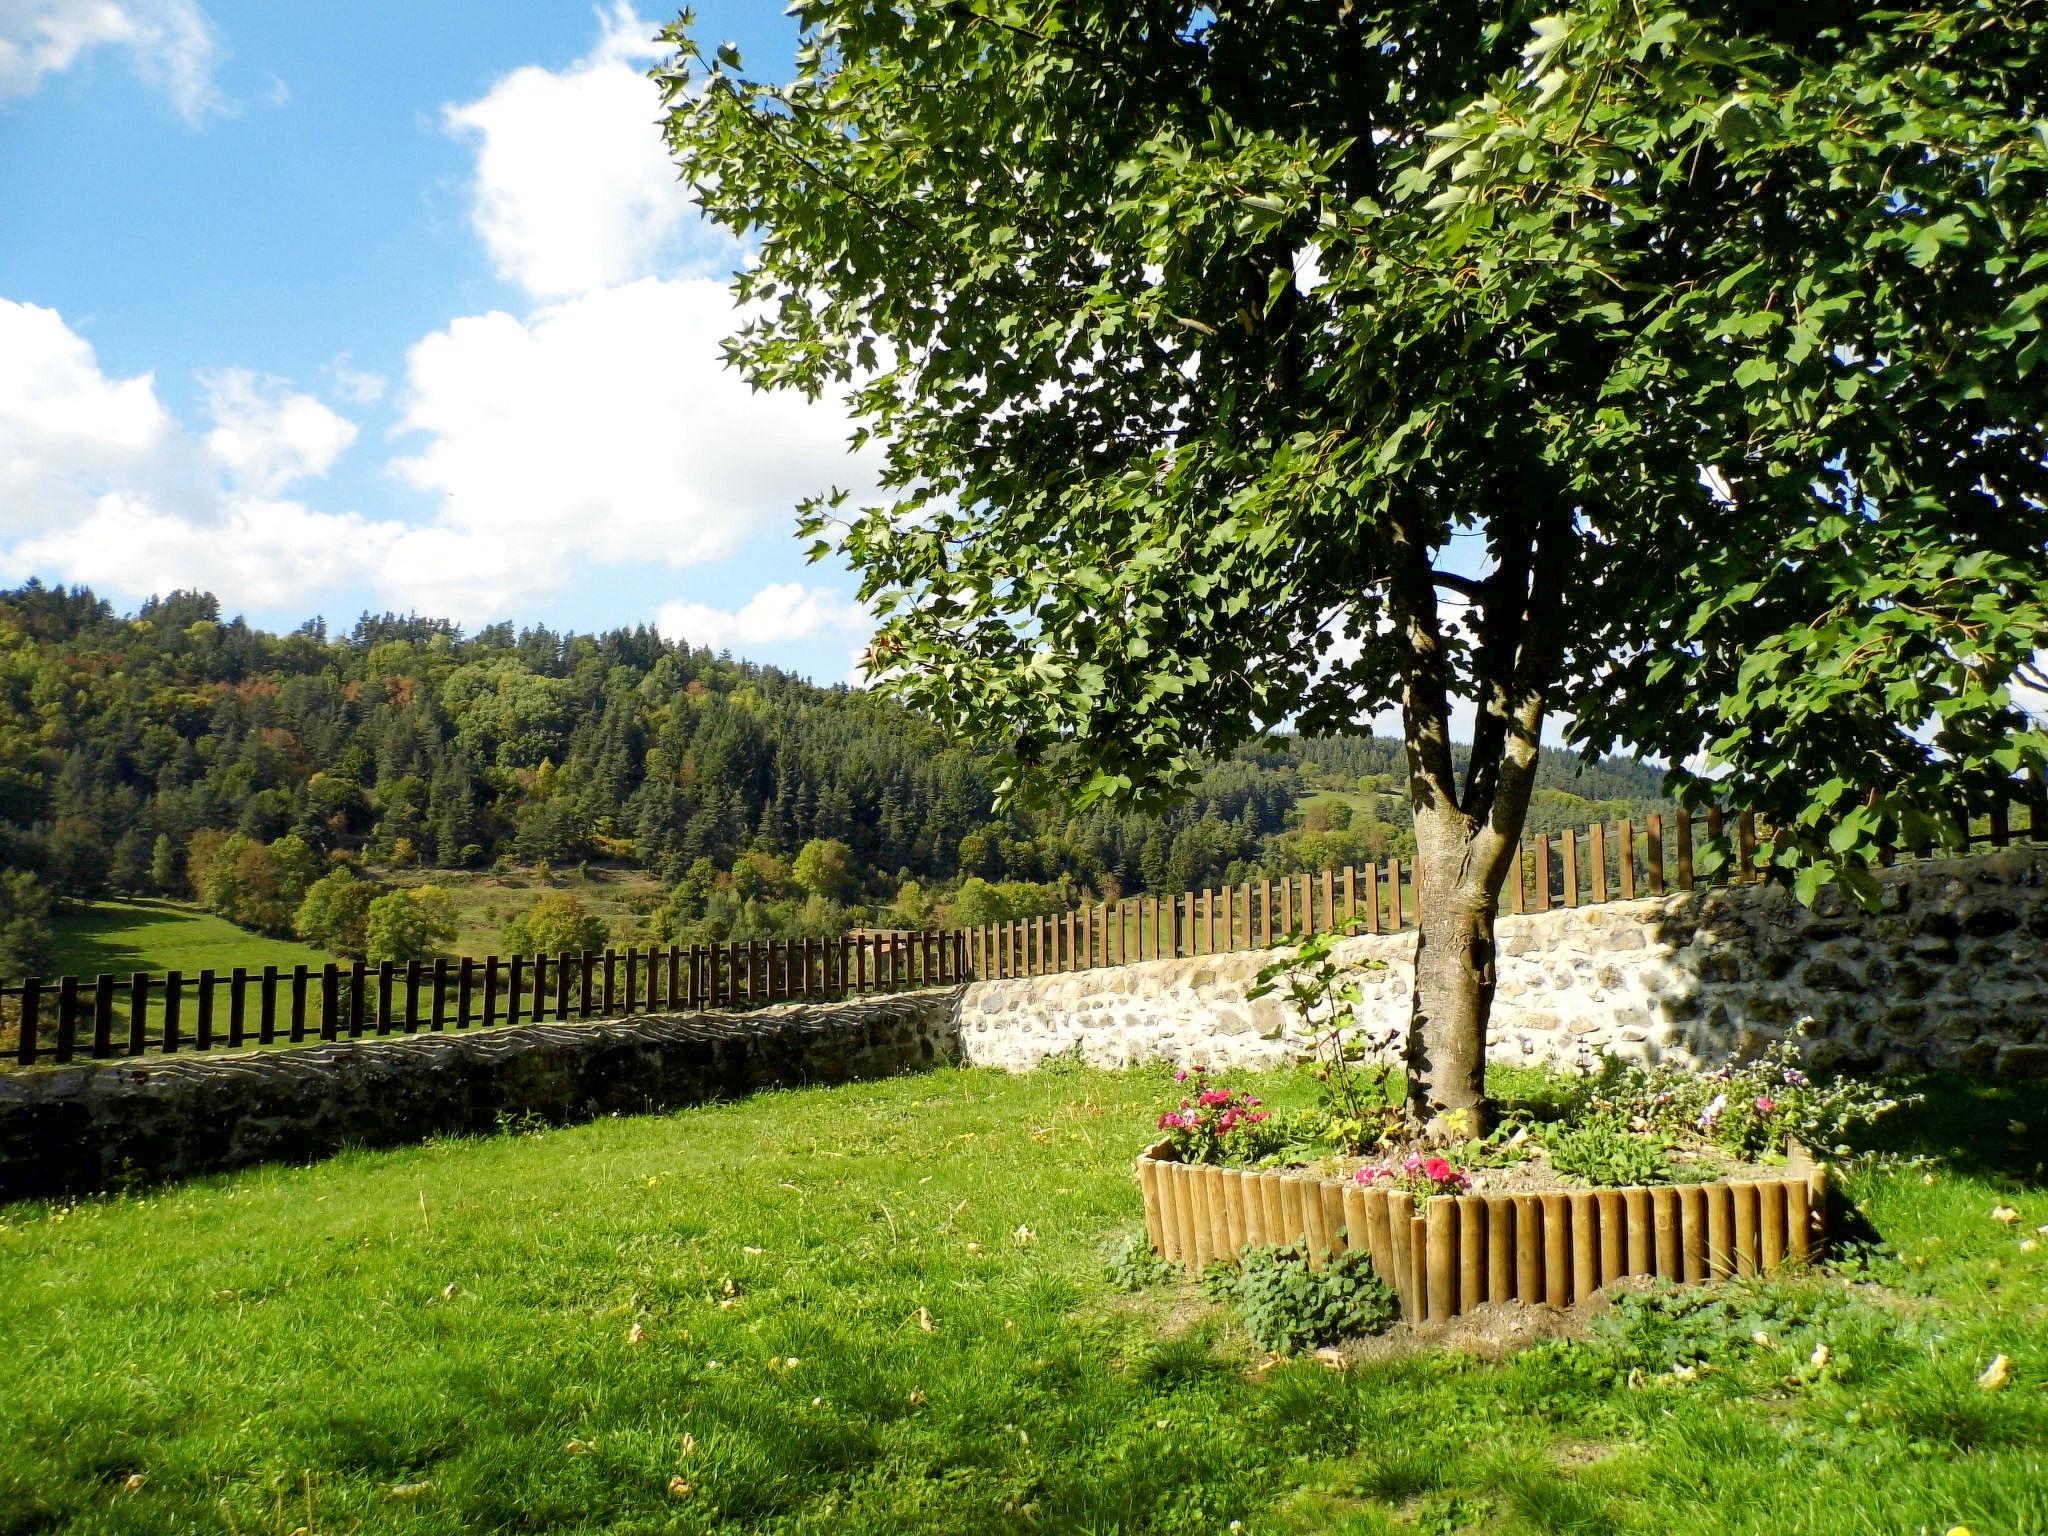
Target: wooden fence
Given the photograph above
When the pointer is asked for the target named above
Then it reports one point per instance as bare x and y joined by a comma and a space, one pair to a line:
113, 1016
1613, 861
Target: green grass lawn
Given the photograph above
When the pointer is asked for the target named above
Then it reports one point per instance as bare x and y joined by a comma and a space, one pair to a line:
883, 1309
122, 935
485, 899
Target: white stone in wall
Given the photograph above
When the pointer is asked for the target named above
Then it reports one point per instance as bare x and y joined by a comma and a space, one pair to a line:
1952, 971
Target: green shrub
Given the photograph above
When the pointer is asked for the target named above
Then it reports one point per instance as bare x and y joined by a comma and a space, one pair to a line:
1744, 1107
1603, 1150
1286, 1306
556, 924
1133, 1266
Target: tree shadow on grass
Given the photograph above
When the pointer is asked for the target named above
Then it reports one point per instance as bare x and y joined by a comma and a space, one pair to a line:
1995, 1128
101, 937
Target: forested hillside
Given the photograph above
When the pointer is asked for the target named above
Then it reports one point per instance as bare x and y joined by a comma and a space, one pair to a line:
174, 751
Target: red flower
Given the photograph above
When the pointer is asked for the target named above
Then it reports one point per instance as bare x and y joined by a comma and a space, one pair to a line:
1437, 1171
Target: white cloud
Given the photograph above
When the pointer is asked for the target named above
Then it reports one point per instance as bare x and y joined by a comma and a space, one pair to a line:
782, 612
574, 187
254, 552
100, 484
170, 43
267, 435
607, 429
358, 386
68, 431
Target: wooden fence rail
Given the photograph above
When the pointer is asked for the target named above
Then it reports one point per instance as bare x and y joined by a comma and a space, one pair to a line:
61, 1019
67, 1017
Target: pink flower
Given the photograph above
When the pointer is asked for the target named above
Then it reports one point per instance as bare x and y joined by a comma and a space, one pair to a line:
1437, 1170
1215, 1096
1414, 1163
1181, 1076
1766, 1104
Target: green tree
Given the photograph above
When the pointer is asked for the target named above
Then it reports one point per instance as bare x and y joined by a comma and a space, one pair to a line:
555, 924
25, 938
409, 924
242, 883
1235, 363
759, 876
164, 875
912, 907
334, 914
824, 867
296, 866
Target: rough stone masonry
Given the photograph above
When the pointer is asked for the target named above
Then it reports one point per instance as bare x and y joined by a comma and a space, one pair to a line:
100, 1125
1950, 971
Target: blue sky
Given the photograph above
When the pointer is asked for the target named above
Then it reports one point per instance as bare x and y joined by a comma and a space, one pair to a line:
393, 305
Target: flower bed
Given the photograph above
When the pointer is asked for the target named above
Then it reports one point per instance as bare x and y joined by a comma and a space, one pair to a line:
1447, 1254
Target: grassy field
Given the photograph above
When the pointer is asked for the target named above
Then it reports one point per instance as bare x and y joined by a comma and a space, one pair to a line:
123, 935
883, 1309
484, 900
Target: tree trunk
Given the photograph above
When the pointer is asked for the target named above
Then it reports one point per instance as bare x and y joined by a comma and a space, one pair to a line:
1457, 894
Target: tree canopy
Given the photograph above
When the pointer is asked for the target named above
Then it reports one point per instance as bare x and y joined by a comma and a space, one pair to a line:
1670, 377
1239, 363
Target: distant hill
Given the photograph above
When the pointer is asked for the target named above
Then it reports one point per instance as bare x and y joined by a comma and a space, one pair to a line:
405, 743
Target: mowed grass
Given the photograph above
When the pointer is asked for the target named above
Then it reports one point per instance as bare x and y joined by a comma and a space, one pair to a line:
483, 900
120, 936
883, 1309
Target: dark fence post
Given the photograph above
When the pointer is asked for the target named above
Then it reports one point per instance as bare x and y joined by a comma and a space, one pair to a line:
238, 1005
330, 1001
203, 1026
138, 1013
174, 998
103, 1016
358, 998
266, 1007
298, 1007
31, 1009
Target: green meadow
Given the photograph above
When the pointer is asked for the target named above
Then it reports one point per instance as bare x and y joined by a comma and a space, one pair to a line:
121, 935
885, 1309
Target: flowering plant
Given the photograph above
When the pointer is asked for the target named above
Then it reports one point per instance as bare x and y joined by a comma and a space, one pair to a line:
1417, 1174
1745, 1107
1218, 1125
1355, 1067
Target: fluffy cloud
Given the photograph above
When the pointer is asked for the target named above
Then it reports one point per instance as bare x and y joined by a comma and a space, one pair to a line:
267, 435
252, 551
169, 41
607, 429
599, 430
782, 612
358, 386
69, 432
574, 188
100, 484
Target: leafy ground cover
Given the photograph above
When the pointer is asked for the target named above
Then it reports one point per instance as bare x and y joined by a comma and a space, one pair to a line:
886, 1308
123, 935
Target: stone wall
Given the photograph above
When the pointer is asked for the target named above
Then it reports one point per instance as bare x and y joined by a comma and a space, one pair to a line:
74, 1129
1951, 971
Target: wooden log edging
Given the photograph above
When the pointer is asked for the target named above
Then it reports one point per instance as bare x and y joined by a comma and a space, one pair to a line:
1451, 1253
